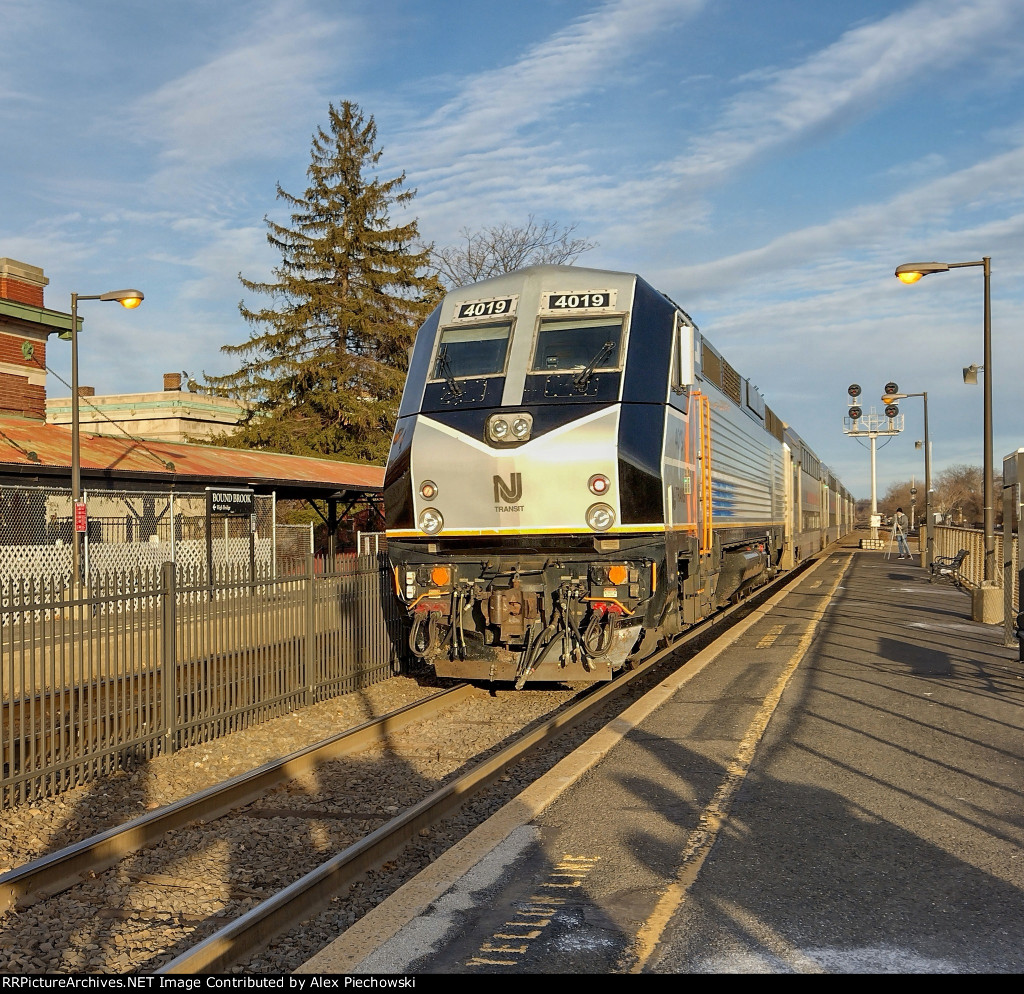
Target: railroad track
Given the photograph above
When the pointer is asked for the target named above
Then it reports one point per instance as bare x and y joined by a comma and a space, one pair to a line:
243, 935
57, 872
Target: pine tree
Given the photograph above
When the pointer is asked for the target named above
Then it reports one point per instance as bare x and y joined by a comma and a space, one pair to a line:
325, 362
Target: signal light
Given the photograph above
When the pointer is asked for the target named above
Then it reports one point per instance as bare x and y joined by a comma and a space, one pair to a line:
854, 390
891, 387
855, 413
891, 410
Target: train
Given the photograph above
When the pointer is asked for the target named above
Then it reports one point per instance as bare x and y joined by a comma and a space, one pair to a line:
577, 475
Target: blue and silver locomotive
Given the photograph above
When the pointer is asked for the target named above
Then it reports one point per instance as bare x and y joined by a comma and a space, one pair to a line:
576, 474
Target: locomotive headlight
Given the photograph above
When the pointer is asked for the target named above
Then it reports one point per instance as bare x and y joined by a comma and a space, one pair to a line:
431, 521
509, 428
521, 427
428, 489
600, 517
598, 484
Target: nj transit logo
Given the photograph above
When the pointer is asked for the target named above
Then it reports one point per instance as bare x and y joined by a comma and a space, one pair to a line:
510, 493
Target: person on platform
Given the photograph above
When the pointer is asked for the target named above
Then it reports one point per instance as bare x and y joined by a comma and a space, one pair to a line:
899, 526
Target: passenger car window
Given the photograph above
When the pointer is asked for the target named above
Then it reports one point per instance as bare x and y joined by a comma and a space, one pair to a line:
476, 351
563, 346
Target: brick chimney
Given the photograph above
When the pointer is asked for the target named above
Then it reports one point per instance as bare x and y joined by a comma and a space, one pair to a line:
24, 327
21, 282
172, 381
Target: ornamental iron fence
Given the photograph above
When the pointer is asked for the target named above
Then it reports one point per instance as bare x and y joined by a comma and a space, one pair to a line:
150, 660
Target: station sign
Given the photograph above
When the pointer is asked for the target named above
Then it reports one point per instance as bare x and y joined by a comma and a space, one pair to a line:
234, 503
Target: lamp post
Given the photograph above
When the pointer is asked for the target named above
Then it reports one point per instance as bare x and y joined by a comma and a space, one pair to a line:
911, 273
126, 298
929, 550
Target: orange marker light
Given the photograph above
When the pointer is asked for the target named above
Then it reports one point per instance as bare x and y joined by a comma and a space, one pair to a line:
440, 576
617, 574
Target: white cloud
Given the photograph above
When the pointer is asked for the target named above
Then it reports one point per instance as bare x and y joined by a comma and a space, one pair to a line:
846, 79
20, 22
243, 104
895, 227
493, 105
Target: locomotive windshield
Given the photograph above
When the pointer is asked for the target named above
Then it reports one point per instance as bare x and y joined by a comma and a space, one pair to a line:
563, 346
476, 351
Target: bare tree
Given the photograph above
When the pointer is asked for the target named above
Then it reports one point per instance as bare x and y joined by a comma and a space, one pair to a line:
504, 248
958, 493
899, 495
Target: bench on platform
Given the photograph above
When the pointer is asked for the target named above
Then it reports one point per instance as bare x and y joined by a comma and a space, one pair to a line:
948, 568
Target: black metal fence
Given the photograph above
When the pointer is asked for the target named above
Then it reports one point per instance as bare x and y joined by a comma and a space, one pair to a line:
153, 660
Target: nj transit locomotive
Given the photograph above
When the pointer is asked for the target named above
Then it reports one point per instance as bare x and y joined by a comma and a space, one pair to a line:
576, 473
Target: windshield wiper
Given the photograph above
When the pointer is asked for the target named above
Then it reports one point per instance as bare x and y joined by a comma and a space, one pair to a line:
582, 378
445, 369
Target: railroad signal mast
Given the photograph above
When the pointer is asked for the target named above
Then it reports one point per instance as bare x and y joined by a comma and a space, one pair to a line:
872, 425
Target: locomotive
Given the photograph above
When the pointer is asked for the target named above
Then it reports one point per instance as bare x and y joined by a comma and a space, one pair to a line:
577, 474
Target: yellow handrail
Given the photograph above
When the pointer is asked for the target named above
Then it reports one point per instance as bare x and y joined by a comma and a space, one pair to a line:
704, 421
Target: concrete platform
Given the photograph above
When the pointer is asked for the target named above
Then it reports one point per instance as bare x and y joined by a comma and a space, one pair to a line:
837, 790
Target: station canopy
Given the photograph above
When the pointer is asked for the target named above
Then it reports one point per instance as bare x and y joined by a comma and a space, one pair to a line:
35, 453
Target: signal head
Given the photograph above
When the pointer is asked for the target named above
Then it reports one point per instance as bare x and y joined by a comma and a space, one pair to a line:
854, 390
891, 410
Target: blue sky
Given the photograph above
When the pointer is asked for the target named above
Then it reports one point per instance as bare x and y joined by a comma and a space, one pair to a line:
766, 163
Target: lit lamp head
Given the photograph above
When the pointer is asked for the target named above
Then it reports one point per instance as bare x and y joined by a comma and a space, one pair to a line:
126, 298
911, 272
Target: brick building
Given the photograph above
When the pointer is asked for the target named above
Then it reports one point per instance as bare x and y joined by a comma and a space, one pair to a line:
151, 454
25, 325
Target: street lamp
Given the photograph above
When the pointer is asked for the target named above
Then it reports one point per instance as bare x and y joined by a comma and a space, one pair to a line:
126, 298
911, 273
929, 551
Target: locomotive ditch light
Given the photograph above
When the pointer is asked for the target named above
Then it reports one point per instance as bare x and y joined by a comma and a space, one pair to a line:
431, 521
497, 429
600, 517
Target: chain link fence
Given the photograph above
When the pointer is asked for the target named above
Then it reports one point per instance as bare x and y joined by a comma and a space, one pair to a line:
130, 530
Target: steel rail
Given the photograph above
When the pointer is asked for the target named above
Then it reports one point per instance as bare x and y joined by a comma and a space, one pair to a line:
61, 870
311, 893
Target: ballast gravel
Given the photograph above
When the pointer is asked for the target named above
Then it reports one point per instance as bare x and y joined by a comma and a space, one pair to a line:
134, 918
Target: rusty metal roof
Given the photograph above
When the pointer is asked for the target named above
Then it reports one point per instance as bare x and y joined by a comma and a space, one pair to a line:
30, 448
